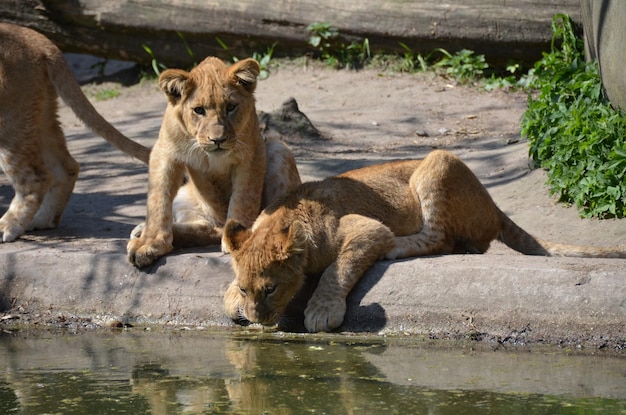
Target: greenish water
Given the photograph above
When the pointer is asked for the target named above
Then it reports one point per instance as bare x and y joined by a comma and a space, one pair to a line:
246, 372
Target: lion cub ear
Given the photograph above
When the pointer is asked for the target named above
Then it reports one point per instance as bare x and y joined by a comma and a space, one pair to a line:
244, 73
295, 239
174, 82
235, 234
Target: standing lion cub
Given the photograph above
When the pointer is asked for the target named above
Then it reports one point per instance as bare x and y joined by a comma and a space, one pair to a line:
210, 137
334, 231
33, 152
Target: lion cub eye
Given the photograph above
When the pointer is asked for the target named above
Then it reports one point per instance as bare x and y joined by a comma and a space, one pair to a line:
231, 107
242, 291
270, 289
199, 110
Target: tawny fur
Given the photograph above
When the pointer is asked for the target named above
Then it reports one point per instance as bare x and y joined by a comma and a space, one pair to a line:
210, 135
336, 229
33, 151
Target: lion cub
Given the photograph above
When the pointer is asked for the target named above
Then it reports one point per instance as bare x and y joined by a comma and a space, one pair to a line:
336, 229
210, 137
33, 152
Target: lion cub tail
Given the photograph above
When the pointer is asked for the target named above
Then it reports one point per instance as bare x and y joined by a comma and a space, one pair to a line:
521, 241
68, 89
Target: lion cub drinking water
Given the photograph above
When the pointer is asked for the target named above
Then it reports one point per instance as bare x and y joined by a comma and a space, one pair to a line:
210, 135
337, 228
33, 152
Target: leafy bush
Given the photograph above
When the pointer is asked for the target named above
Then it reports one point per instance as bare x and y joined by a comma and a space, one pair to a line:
573, 132
463, 65
334, 51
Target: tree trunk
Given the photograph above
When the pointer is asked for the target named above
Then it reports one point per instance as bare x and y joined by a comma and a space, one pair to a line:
605, 38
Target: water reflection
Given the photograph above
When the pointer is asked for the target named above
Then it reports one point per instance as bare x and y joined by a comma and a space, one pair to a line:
248, 372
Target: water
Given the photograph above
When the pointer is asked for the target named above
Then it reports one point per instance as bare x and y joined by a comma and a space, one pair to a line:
251, 372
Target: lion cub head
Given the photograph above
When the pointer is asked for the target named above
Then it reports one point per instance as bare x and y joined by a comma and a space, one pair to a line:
268, 263
214, 103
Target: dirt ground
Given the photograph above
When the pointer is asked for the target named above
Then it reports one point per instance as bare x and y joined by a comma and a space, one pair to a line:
372, 116
364, 117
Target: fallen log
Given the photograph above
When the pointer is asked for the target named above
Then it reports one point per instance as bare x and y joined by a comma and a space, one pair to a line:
120, 29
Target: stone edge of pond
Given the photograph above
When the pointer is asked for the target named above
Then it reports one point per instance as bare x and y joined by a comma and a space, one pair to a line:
493, 299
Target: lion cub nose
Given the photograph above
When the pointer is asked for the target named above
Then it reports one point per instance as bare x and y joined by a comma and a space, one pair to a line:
218, 140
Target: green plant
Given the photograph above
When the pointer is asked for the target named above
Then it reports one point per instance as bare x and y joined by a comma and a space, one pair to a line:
103, 92
412, 61
190, 52
572, 130
322, 35
106, 94
263, 59
463, 66
334, 51
100, 66
514, 80
157, 66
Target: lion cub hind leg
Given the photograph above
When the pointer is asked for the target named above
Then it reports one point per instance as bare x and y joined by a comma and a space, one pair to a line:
31, 181
64, 171
458, 214
198, 233
195, 222
27, 199
361, 242
429, 241
281, 174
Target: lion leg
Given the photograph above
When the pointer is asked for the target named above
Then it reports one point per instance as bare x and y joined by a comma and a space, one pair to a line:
232, 304
199, 233
431, 240
458, 214
362, 242
195, 222
164, 178
31, 181
430, 187
64, 170
281, 174
191, 226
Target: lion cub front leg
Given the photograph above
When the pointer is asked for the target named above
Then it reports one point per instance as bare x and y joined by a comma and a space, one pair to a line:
361, 241
156, 238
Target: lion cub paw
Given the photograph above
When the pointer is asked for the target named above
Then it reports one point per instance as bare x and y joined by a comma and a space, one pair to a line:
324, 314
232, 301
143, 253
233, 306
10, 232
394, 253
137, 230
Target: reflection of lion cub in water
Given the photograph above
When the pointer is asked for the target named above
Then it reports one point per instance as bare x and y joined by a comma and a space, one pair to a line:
210, 133
33, 152
339, 227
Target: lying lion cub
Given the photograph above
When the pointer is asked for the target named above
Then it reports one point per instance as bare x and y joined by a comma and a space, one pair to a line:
210, 135
339, 227
33, 152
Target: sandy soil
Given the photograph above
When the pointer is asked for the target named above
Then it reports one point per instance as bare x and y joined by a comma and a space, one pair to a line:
372, 116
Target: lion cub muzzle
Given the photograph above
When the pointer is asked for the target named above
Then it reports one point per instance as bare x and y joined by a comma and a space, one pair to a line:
214, 137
